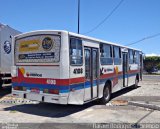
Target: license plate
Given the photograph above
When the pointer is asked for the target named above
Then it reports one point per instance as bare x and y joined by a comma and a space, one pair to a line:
35, 90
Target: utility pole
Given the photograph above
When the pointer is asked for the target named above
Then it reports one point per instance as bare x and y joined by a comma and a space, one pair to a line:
78, 14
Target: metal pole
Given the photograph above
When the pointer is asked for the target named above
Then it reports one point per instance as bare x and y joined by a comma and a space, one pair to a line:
78, 14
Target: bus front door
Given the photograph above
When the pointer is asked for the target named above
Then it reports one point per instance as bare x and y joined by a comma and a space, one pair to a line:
125, 69
91, 73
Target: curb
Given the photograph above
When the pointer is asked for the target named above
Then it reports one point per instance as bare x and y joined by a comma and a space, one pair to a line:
145, 105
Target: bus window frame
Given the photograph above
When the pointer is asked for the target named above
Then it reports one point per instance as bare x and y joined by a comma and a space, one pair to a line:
71, 37
111, 53
137, 57
119, 53
130, 56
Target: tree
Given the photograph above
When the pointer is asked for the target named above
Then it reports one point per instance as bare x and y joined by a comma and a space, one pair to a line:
150, 63
158, 66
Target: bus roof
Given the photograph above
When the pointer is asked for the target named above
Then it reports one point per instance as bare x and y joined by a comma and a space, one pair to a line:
75, 35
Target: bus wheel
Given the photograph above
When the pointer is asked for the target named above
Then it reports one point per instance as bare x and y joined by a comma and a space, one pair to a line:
1, 83
106, 94
136, 83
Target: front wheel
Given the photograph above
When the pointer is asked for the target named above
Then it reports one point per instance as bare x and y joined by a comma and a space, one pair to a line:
106, 94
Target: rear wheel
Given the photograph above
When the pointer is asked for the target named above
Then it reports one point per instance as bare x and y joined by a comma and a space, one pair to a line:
106, 94
136, 83
1, 83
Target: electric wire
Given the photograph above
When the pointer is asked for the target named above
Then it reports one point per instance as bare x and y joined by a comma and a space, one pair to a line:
106, 18
145, 38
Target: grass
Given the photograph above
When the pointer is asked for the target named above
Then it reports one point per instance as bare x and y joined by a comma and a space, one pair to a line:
13, 111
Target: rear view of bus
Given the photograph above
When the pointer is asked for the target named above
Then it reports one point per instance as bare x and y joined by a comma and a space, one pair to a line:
36, 73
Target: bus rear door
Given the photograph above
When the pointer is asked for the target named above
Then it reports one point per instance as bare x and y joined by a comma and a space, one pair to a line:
125, 69
91, 73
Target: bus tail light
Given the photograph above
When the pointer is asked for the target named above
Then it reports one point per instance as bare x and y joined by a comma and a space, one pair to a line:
51, 91
35, 90
16, 88
45, 91
20, 88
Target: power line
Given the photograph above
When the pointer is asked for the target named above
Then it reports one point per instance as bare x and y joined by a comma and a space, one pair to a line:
145, 38
107, 17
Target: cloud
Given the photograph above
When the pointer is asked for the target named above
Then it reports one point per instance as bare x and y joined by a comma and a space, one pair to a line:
152, 54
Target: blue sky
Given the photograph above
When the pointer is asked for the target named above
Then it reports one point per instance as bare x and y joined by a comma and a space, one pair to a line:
132, 21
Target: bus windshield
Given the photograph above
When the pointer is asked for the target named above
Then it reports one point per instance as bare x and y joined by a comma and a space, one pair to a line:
37, 49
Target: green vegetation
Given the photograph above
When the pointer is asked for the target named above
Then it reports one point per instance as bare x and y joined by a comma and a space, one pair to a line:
152, 64
158, 66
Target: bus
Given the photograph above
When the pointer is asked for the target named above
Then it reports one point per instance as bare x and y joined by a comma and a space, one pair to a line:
62, 67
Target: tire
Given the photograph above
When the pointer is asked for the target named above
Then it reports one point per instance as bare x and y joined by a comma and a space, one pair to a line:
136, 84
106, 94
1, 83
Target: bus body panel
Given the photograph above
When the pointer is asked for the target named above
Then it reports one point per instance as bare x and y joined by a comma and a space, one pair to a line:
118, 85
76, 94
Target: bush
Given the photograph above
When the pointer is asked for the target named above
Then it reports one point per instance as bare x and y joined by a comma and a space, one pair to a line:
158, 66
151, 63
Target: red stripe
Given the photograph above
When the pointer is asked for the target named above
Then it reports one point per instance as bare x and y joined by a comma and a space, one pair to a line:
107, 75
60, 82
38, 65
120, 73
77, 80
133, 71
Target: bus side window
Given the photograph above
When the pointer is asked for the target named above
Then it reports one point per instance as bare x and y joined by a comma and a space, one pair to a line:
76, 51
131, 56
136, 57
106, 54
117, 55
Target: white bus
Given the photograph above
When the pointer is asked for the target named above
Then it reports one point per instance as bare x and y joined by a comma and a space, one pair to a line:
67, 68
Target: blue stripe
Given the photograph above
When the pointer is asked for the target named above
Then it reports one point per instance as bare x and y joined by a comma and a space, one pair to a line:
62, 89
77, 86
88, 84
41, 86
